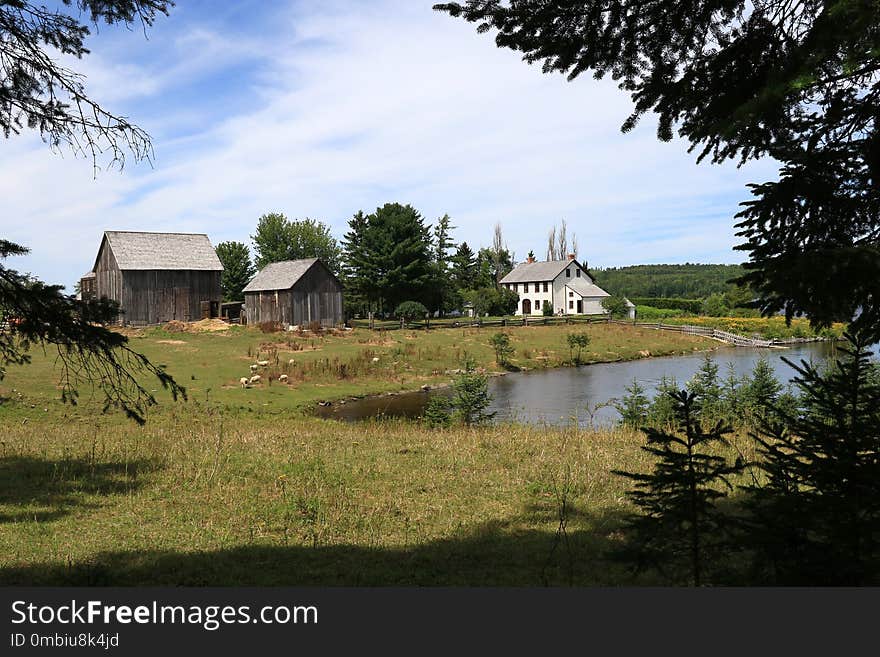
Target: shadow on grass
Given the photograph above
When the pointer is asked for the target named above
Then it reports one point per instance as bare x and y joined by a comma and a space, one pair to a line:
498, 553
45, 489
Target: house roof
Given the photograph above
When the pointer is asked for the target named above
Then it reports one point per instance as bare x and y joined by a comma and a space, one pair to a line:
280, 275
585, 288
526, 272
148, 251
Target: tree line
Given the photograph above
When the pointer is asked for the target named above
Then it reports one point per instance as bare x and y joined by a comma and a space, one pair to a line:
390, 261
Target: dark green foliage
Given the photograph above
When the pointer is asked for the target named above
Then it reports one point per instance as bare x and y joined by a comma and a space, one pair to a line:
662, 411
633, 406
277, 238
817, 519
715, 306
759, 394
577, 342
39, 92
615, 306
438, 412
742, 80
491, 301
705, 386
547, 309
89, 354
411, 310
646, 285
443, 295
237, 269
500, 342
388, 257
464, 268
470, 396
492, 266
678, 527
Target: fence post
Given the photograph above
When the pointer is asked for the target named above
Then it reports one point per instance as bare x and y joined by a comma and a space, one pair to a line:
372, 325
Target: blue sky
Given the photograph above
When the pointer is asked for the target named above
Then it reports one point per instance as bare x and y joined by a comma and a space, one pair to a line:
323, 109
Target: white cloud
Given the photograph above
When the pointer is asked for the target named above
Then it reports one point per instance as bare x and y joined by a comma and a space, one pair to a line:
372, 102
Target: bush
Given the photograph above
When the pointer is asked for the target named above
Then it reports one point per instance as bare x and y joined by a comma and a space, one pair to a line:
615, 306
547, 309
500, 342
411, 310
271, 327
579, 342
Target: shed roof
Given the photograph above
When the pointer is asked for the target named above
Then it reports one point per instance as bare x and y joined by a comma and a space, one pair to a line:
88, 274
585, 288
147, 251
280, 275
526, 272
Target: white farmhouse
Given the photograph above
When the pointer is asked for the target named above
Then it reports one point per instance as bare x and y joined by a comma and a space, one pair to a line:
565, 284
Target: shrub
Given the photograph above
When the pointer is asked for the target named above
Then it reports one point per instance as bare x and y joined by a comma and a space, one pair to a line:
411, 310
547, 309
500, 342
579, 342
615, 306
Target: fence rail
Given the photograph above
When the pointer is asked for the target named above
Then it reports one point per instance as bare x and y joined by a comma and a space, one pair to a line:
718, 334
478, 322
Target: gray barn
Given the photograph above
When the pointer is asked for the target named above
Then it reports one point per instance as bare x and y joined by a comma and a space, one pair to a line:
157, 277
294, 292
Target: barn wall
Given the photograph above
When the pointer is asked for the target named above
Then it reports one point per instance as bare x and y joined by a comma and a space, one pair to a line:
156, 296
108, 278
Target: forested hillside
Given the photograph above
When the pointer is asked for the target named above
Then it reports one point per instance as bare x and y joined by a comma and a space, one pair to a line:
689, 281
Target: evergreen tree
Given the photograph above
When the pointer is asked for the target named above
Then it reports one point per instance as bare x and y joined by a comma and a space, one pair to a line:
760, 391
464, 268
706, 388
662, 410
633, 406
443, 292
358, 269
817, 519
237, 269
470, 396
500, 342
679, 525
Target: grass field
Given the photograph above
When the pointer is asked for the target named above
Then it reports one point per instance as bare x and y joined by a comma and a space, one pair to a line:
235, 487
205, 499
333, 366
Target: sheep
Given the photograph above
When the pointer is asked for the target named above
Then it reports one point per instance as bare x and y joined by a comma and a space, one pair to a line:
263, 363
291, 362
255, 378
375, 359
283, 378
243, 381
254, 368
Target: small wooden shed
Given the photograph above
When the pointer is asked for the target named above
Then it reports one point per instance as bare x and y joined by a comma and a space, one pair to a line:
294, 292
157, 277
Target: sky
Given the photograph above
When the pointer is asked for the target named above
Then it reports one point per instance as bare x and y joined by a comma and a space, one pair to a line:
321, 109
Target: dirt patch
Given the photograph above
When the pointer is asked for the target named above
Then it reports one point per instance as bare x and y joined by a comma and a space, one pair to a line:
202, 326
170, 341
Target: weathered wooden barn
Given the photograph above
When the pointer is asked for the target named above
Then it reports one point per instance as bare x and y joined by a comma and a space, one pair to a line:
294, 292
157, 277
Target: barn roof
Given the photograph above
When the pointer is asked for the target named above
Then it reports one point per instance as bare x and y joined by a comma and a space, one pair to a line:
184, 251
585, 288
526, 272
280, 275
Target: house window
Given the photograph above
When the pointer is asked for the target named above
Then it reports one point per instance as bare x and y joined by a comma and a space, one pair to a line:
537, 306
568, 273
525, 287
577, 272
545, 286
570, 293
571, 305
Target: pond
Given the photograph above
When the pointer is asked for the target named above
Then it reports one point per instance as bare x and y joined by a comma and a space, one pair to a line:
560, 396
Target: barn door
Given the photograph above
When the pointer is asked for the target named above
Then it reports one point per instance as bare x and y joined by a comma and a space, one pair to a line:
181, 304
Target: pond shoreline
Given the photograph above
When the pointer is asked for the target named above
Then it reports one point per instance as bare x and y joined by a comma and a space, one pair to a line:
312, 408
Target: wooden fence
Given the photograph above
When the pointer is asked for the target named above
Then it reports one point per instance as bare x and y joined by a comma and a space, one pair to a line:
475, 322
717, 334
